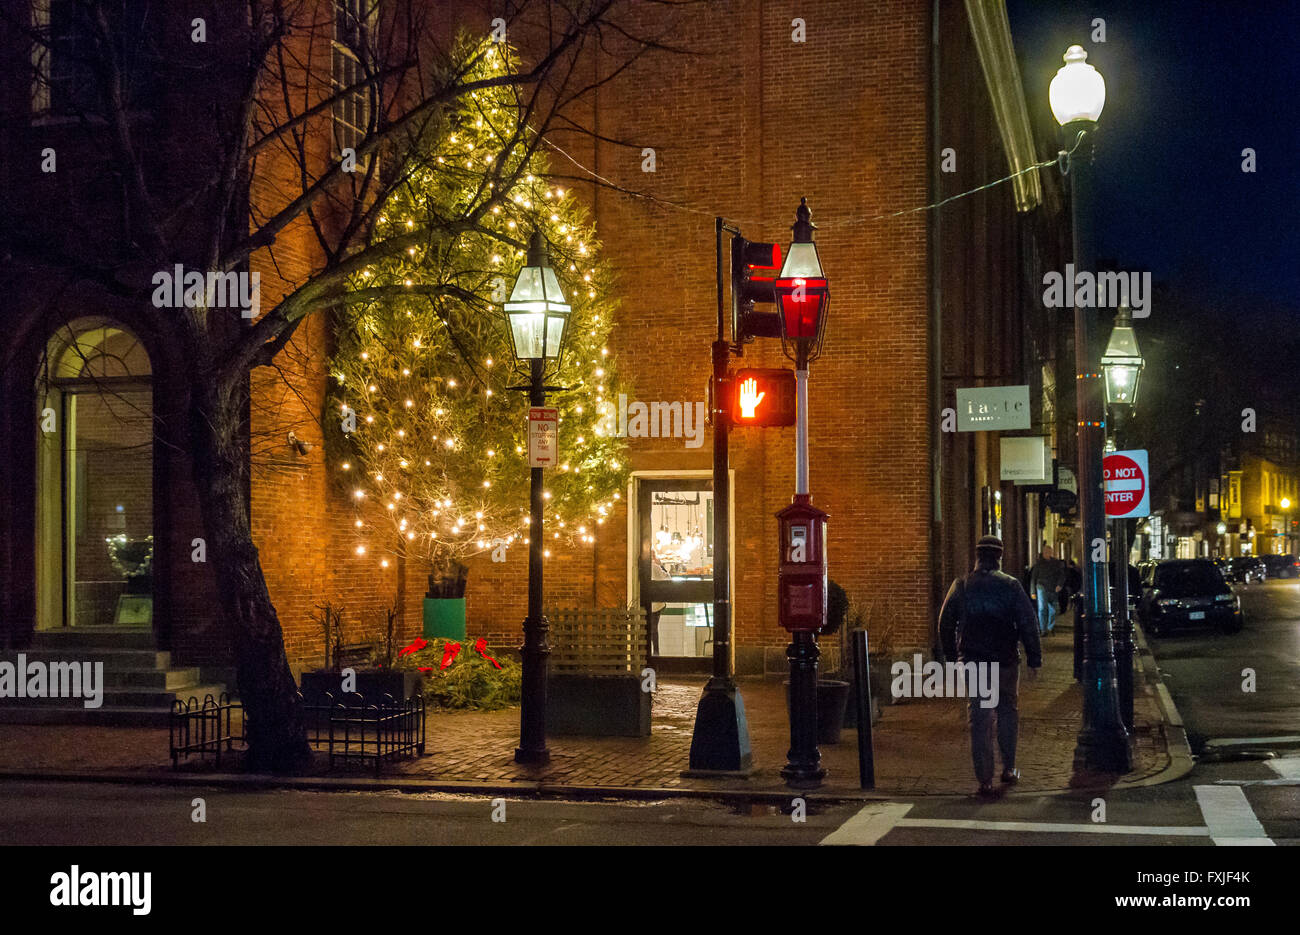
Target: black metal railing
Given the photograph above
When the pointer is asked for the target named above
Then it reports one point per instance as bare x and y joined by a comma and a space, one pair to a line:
203, 729
348, 728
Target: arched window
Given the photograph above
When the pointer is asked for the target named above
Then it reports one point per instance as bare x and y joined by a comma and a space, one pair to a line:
94, 499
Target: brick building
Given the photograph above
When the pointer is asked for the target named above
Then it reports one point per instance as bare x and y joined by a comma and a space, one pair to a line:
848, 105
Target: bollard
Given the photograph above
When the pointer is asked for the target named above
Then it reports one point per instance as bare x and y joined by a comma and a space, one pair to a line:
862, 682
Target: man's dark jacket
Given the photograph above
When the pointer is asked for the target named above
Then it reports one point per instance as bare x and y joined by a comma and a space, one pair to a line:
985, 617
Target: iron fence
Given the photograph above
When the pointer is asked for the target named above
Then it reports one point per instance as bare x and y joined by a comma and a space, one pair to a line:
349, 729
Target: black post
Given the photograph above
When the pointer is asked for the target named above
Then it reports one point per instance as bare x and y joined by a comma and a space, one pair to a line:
536, 651
862, 685
720, 741
1123, 623
1103, 744
803, 767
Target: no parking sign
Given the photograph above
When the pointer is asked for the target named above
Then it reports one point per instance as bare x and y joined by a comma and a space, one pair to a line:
1128, 494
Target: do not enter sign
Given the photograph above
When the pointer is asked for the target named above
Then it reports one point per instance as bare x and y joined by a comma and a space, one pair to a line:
1127, 493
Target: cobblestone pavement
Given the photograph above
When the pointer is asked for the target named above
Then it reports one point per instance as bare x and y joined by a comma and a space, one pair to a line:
921, 746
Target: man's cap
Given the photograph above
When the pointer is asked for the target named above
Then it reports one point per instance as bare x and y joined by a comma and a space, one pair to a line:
990, 543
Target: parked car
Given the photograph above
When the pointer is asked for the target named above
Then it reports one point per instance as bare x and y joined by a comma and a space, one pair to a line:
1246, 569
1281, 566
1186, 592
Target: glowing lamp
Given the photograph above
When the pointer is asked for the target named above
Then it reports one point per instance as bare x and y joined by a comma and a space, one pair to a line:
802, 293
1078, 92
537, 311
1122, 362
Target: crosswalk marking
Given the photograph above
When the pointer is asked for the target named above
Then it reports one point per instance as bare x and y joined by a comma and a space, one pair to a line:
1229, 817
1055, 827
869, 825
1288, 767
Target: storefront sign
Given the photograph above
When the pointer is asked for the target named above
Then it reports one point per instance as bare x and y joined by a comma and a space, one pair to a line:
992, 408
542, 437
1026, 460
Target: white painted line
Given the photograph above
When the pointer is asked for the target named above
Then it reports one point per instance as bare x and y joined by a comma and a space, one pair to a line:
1188, 831
1288, 767
1257, 782
1253, 741
869, 825
1229, 817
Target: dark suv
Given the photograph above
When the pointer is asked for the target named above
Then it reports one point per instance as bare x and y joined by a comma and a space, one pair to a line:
1189, 591
1281, 566
1246, 569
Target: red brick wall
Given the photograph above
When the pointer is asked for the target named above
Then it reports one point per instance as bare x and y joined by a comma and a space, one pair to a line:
742, 129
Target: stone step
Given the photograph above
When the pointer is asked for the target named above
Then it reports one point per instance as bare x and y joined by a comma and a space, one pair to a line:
106, 716
113, 659
120, 697
171, 679
94, 638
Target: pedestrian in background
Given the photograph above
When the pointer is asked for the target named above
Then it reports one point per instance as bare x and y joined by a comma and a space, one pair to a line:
1045, 582
984, 619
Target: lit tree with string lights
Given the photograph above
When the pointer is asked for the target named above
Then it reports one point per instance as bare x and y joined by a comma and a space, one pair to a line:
431, 445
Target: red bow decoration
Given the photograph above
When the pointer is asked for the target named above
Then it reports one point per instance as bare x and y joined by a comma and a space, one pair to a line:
419, 644
426, 668
449, 652
480, 646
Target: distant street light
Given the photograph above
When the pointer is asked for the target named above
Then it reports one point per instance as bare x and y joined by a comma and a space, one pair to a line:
1122, 366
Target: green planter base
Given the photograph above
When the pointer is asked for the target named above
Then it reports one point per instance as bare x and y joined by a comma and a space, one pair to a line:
444, 618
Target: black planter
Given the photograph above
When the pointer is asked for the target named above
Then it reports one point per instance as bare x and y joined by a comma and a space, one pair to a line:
832, 700
851, 712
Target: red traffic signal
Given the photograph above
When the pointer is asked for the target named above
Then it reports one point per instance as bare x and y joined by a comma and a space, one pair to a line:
762, 397
754, 267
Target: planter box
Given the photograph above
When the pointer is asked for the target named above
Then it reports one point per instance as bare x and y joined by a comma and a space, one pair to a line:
597, 706
444, 618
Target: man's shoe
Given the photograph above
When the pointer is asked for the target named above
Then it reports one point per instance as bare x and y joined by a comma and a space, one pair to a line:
1011, 776
985, 790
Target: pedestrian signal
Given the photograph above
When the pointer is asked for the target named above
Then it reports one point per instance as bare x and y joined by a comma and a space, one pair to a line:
762, 397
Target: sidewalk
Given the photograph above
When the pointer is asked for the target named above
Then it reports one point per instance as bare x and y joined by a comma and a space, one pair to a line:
921, 746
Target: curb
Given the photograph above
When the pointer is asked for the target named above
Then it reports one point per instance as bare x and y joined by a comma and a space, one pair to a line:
1181, 760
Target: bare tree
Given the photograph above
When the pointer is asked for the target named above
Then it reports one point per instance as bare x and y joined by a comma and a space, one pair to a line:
266, 166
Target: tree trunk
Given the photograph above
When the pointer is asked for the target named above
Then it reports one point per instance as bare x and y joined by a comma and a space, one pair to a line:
274, 724
448, 578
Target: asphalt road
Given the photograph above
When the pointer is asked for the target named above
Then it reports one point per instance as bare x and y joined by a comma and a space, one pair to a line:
1203, 670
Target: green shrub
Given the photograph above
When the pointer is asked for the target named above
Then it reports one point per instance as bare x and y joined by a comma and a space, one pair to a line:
470, 681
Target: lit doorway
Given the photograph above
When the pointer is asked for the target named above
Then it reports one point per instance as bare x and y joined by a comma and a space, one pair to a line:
94, 514
675, 564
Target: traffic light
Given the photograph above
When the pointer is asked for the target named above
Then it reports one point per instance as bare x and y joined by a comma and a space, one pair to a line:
754, 267
762, 397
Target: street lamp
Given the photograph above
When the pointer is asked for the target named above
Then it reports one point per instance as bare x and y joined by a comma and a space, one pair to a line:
1286, 520
802, 298
1122, 365
1077, 96
538, 316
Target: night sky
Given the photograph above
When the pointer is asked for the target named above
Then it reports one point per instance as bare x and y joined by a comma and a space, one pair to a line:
1188, 86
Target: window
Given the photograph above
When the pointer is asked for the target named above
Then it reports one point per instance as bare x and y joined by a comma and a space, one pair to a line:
351, 64
66, 63
94, 535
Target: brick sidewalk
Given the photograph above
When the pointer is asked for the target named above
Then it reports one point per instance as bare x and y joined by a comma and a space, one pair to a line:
921, 746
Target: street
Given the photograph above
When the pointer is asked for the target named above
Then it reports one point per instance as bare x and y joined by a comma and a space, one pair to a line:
1204, 671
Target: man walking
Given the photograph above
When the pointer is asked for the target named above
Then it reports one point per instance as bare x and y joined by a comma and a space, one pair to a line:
985, 617
1045, 581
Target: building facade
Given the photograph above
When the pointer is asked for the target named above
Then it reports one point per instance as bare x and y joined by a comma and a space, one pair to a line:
854, 107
